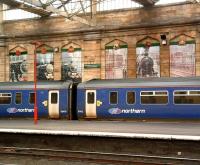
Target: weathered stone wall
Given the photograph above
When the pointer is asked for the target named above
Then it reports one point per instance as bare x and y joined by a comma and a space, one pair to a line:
129, 26
1, 18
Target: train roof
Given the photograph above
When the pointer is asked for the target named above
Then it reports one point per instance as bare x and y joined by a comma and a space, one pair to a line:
141, 82
30, 85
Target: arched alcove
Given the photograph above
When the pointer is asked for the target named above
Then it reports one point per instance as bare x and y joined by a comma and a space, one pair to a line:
45, 62
182, 56
72, 67
116, 59
148, 57
18, 64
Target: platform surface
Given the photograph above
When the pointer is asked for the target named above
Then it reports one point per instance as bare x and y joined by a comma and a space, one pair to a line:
179, 128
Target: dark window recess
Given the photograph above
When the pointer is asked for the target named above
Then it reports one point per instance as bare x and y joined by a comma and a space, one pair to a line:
31, 98
18, 98
154, 99
90, 97
130, 97
54, 98
194, 92
113, 98
146, 93
187, 99
5, 100
180, 93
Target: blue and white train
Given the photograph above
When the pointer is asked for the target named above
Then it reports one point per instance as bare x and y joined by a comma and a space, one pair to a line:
53, 99
149, 98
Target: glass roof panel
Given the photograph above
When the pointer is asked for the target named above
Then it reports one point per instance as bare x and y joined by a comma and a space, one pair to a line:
169, 1
14, 14
116, 4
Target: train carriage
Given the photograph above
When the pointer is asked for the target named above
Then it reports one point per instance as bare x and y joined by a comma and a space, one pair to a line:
17, 99
169, 98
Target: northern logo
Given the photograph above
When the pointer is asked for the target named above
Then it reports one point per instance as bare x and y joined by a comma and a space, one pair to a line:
12, 110
115, 111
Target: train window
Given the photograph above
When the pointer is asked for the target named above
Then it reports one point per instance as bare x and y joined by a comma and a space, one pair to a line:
164, 93
5, 98
113, 97
154, 97
31, 98
146, 93
190, 97
130, 97
180, 92
18, 98
195, 92
90, 97
54, 98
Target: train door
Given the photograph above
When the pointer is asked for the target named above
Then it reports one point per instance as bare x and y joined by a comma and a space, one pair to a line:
90, 104
53, 104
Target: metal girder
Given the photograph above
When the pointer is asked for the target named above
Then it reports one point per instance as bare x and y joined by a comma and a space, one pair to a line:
52, 9
64, 14
26, 7
146, 2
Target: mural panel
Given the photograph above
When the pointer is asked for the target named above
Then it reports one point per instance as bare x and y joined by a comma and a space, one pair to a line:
182, 57
72, 63
148, 58
18, 64
116, 60
45, 63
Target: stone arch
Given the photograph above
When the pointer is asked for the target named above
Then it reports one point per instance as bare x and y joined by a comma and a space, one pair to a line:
115, 44
182, 39
148, 41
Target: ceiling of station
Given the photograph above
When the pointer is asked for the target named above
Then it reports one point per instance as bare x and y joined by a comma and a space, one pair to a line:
70, 9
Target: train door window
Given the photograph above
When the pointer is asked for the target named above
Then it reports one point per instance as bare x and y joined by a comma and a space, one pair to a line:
90, 98
5, 98
31, 98
18, 98
130, 97
154, 97
187, 97
113, 97
54, 98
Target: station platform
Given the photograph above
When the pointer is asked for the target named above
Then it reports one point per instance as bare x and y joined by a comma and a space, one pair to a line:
178, 130
174, 142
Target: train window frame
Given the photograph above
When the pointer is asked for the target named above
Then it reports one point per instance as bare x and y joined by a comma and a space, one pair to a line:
29, 98
194, 91
53, 97
1, 95
117, 97
153, 94
88, 101
21, 98
187, 94
127, 97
